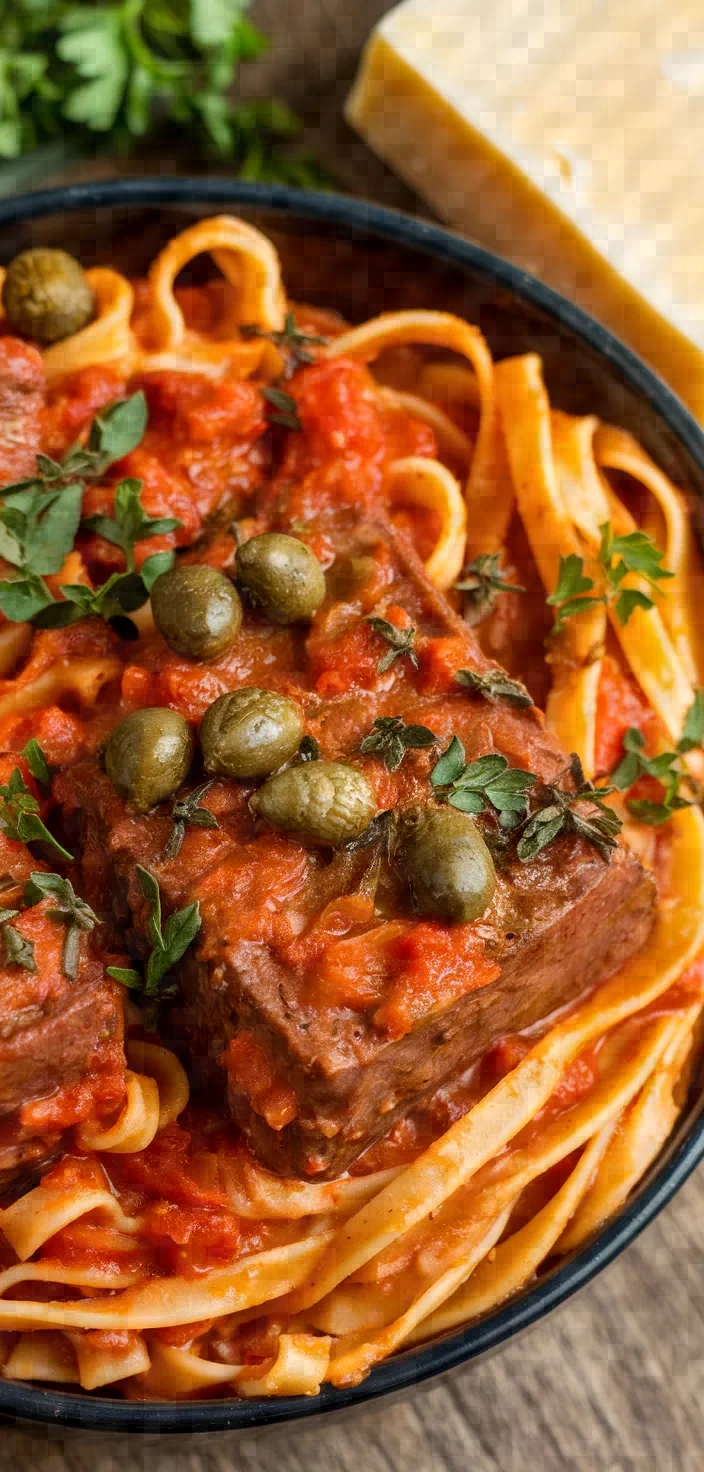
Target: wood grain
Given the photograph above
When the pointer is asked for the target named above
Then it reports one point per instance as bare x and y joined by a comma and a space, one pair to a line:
615, 1381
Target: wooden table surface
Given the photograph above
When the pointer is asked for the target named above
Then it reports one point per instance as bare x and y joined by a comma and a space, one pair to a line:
614, 1382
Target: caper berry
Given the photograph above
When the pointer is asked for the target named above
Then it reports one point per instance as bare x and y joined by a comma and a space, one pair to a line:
281, 576
447, 863
327, 802
249, 733
46, 296
197, 610
148, 756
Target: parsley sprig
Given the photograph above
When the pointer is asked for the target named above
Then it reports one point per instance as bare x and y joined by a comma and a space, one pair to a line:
294, 345
483, 582
400, 643
496, 686
617, 556
169, 943
486, 785
70, 909
666, 768
19, 815
117, 71
557, 813
39, 519
390, 738
187, 811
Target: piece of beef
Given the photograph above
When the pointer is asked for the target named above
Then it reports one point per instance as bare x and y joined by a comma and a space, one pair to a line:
61, 1050
21, 398
315, 1075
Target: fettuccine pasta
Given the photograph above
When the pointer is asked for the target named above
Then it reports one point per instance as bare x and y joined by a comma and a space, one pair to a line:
148, 1248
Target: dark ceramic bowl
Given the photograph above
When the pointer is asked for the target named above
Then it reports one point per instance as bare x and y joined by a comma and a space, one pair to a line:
361, 260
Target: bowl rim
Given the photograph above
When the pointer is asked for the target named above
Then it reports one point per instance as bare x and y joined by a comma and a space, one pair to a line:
26, 1402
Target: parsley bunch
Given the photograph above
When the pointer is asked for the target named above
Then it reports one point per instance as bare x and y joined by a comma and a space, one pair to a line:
617, 556
85, 68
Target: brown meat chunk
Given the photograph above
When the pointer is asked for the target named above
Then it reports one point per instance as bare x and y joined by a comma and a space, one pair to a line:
313, 1079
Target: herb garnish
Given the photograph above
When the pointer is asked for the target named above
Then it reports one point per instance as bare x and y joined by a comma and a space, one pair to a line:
283, 408
557, 814
484, 785
617, 556
18, 950
390, 739
75, 914
666, 768
294, 345
309, 750
19, 815
483, 581
495, 685
400, 640
168, 946
490, 784
39, 519
36, 761
187, 810
75, 69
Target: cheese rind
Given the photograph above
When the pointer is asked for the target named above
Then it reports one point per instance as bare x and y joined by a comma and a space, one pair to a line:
565, 147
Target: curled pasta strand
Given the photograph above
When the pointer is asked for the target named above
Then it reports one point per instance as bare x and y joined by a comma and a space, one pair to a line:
452, 441
246, 258
300, 1367
107, 339
175, 1372
489, 492
425, 482
31, 1220
137, 1124
168, 1073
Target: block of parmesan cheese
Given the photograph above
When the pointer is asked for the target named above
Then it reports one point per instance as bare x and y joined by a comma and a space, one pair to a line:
566, 135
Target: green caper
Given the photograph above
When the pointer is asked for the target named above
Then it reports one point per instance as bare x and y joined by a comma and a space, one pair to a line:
46, 296
197, 610
249, 733
447, 863
327, 802
148, 756
281, 576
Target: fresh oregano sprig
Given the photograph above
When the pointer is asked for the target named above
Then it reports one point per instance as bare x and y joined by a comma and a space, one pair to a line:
483, 582
390, 738
19, 951
282, 408
634, 553
70, 909
169, 942
19, 815
666, 768
486, 785
293, 344
187, 811
557, 813
400, 643
496, 686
